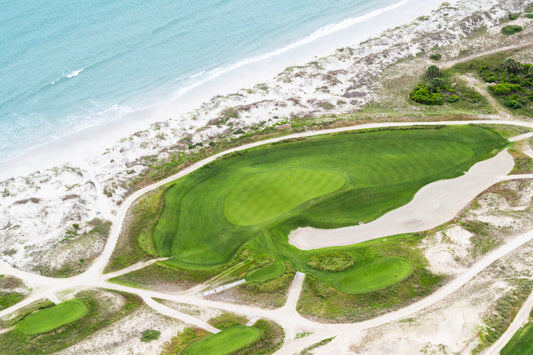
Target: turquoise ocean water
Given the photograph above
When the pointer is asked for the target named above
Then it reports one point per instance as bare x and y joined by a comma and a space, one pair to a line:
69, 65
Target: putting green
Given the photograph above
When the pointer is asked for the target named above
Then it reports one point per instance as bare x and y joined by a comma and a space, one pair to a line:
263, 196
52, 318
227, 341
266, 273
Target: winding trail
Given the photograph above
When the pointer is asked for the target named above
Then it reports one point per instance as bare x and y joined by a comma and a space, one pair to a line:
287, 316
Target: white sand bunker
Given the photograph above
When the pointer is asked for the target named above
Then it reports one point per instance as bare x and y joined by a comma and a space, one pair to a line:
433, 205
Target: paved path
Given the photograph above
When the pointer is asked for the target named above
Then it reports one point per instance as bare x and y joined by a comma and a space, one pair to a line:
223, 288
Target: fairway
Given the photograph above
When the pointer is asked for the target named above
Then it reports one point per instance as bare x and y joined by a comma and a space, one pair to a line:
51, 318
260, 197
227, 341
257, 196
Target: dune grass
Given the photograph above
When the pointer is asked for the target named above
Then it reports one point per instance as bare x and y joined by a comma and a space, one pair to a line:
254, 198
51, 318
227, 341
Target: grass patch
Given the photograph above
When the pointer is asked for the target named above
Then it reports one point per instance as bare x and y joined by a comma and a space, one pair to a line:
228, 341
227, 320
135, 241
7, 299
52, 318
99, 314
511, 29
149, 335
523, 164
307, 351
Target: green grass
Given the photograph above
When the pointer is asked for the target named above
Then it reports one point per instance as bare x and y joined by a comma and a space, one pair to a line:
521, 342
264, 196
511, 30
373, 276
52, 318
266, 273
7, 299
355, 177
227, 341
100, 313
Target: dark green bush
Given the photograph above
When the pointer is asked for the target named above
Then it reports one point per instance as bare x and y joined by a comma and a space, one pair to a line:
149, 335
436, 56
423, 95
433, 72
511, 30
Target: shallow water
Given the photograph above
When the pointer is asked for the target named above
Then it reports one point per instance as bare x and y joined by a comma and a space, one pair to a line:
66, 66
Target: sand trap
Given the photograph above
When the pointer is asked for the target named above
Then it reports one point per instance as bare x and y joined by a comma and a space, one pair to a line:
432, 206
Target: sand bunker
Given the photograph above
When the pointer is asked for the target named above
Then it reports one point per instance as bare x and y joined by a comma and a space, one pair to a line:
434, 204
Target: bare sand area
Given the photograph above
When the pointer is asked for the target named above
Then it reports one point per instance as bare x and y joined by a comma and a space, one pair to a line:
433, 205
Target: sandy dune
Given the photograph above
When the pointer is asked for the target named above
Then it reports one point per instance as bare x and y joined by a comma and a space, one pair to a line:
433, 205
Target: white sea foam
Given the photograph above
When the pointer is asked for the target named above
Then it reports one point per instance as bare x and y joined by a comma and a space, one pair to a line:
75, 73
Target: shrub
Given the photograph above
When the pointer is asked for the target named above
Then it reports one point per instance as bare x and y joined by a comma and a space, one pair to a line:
436, 56
529, 15
149, 335
433, 72
332, 262
423, 95
453, 98
511, 30
511, 103
513, 16
504, 88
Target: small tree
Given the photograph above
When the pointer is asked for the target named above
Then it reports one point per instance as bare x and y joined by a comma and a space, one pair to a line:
512, 66
433, 72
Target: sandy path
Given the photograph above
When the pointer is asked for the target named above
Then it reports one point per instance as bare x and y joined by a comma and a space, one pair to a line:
521, 318
433, 205
469, 58
481, 88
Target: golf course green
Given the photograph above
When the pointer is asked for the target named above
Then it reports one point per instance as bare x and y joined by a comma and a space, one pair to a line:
257, 196
52, 318
227, 341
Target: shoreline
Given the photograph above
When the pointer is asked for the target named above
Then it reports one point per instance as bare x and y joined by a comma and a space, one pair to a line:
92, 141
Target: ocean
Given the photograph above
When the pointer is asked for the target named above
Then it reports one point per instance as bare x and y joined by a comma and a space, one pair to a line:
69, 65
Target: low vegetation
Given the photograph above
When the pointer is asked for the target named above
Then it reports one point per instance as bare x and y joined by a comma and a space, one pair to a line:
438, 88
228, 341
511, 29
149, 335
508, 80
498, 319
332, 262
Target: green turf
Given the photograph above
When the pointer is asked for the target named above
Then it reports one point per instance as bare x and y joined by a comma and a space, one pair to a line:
266, 273
263, 196
521, 343
373, 276
335, 181
51, 318
227, 341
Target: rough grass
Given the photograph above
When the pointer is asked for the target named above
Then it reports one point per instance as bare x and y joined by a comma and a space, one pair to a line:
52, 318
266, 273
331, 262
523, 164
7, 299
228, 341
